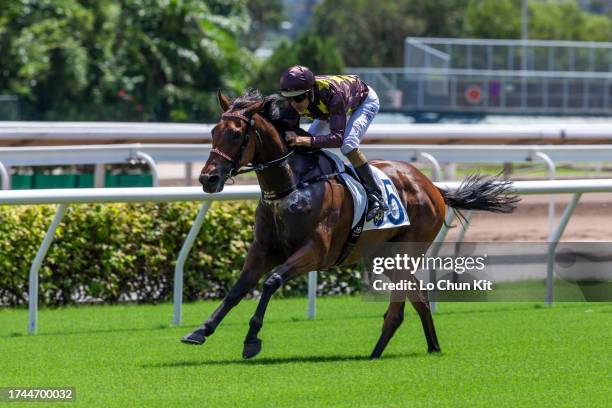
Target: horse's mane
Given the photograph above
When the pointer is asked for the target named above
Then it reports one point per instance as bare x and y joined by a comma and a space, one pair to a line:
248, 98
276, 109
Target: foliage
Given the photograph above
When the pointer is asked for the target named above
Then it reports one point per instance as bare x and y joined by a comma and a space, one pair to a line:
319, 54
265, 15
163, 60
547, 21
119, 252
565, 21
493, 19
127, 60
373, 36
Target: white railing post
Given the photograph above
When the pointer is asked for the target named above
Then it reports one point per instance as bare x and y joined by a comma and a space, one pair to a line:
188, 171
464, 226
435, 166
152, 165
99, 175
554, 241
6, 178
552, 172
312, 294
40, 256
180, 262
450, 216
435, 248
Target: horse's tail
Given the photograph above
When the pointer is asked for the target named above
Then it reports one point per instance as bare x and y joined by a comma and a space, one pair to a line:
484, 193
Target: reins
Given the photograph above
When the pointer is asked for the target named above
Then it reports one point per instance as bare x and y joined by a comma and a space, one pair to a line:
256, 168
262, 166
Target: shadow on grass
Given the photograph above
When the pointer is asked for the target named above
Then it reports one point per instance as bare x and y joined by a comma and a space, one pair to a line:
276, 360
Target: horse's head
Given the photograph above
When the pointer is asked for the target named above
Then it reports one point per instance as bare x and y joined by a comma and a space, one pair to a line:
232, 141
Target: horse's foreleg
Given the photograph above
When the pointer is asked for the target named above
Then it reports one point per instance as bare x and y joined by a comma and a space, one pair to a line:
302, 261
257, 262
394, 316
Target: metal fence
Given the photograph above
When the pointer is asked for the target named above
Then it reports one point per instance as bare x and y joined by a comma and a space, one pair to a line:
453, 76
434, 155
72, 133
508, 55
448, 92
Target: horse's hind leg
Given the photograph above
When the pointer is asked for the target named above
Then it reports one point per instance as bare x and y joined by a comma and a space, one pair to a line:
421, 305
394, 316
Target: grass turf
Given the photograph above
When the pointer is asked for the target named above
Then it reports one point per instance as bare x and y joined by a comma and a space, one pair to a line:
495, 354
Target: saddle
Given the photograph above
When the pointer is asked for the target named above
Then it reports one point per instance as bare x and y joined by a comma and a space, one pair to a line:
335, 168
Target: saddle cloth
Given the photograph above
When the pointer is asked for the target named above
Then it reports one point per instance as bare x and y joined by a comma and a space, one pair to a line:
395, 217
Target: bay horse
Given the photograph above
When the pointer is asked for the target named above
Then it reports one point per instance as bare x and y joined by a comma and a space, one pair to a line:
303, 227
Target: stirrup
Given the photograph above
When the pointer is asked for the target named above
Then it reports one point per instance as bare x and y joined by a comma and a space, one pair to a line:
376, 210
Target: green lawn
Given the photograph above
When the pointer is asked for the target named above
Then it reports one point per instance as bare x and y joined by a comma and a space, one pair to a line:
495, 354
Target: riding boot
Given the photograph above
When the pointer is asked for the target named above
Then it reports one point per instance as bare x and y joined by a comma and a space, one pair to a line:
376, 205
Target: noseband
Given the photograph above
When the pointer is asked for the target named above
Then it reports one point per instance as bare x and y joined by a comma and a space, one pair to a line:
259, 167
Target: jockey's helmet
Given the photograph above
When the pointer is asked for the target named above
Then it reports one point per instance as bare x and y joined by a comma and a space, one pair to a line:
296, 80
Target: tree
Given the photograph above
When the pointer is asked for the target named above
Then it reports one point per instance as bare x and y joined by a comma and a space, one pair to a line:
320, 55
44, 59
367, 35
441, 18
492, 19
265, 15
559, 20
125, 60
374, 35
565, 21
171, 56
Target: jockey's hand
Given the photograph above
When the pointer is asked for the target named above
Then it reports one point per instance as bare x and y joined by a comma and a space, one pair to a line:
294, 140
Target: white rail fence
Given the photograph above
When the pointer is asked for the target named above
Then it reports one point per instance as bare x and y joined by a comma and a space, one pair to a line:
181, 153
63, 198
188, 153
435, 155
86, 132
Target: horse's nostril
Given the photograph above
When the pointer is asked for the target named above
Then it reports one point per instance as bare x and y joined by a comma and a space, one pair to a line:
203, 179
213, 179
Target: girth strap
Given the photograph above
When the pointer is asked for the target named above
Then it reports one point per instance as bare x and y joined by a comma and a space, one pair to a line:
352, 239
316, 179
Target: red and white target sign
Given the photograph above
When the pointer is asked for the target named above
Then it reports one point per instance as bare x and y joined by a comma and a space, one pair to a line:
473, 94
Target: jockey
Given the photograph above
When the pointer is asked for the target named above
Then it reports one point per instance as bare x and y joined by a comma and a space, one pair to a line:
342, 107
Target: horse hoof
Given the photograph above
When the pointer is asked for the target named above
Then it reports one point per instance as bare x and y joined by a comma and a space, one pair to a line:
251, 349
196, 337
434, 350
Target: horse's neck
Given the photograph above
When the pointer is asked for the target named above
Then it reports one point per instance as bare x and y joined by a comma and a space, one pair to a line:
274, 179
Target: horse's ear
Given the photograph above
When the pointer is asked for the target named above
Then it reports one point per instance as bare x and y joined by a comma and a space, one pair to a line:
223, 100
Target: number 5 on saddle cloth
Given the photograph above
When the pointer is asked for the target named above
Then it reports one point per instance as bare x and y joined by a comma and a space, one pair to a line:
394, 218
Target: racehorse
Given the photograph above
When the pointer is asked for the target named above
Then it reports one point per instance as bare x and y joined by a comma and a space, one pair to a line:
302, 226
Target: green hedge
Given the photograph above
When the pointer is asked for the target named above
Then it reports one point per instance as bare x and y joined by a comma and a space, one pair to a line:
127, 252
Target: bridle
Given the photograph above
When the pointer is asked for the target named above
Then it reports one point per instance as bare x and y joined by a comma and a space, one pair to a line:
245, 141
